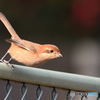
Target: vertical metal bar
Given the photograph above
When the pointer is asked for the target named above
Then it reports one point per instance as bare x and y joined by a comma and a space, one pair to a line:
39, 93
8, 90
54, 94
24, 89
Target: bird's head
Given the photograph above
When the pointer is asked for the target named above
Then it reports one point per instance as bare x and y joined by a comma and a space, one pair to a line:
49, 51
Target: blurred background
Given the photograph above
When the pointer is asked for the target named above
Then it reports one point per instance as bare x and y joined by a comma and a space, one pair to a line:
72, 25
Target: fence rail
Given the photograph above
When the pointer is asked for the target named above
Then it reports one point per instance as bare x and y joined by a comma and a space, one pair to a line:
49, 78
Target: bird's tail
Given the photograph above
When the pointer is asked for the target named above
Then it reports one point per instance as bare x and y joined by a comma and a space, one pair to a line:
8, 26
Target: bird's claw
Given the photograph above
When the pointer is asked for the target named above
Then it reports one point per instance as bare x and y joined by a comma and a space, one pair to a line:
1, 60
7, 63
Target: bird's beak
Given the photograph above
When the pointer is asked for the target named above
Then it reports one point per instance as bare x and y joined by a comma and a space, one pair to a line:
60, 55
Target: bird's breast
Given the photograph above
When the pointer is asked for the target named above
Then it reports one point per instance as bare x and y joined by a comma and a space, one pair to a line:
24, 56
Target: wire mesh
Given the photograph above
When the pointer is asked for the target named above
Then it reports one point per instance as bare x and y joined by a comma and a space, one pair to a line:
40, 91
98, 98
8, 90
46, 85
68, 95
54, 94
23, 91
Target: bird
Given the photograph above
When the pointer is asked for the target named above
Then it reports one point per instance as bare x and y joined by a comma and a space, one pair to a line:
27, 52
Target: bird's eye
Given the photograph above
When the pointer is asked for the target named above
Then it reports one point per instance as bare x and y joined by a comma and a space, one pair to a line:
51, 51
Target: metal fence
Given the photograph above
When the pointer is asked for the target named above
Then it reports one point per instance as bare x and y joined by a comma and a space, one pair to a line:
26, 83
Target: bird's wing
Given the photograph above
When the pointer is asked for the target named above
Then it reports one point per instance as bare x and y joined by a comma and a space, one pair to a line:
21, 44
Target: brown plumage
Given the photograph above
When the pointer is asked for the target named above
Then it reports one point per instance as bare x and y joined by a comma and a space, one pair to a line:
26, 52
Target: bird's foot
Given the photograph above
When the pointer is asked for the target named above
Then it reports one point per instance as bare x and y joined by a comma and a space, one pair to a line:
1, 60
8, 64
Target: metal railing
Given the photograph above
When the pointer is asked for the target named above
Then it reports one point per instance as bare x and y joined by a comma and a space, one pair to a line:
72, 83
